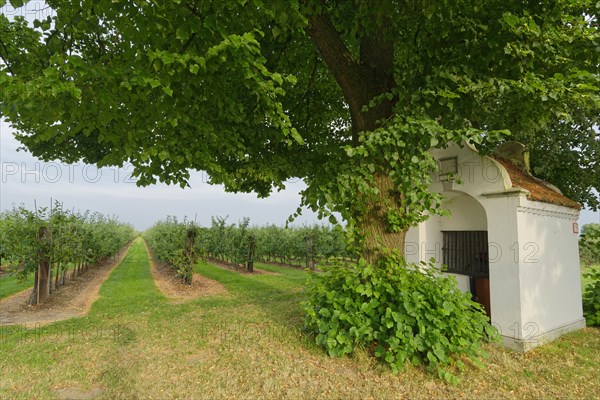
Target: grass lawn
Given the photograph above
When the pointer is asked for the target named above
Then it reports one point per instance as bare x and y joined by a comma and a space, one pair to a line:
10, 284
248, 344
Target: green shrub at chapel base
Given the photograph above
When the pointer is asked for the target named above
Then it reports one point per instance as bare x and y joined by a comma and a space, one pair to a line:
591, 298
403, 312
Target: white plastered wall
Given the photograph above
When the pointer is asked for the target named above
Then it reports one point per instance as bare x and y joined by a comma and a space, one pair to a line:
549, 271
505, 287
528, 305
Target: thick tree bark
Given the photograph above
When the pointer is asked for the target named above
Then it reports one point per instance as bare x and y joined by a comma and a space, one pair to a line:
361, 81
374, 227
44, 281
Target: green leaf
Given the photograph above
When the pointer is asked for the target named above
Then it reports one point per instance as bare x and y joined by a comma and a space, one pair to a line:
276, 31
167, 58
168, 91
154, 83
296, 136
182, 33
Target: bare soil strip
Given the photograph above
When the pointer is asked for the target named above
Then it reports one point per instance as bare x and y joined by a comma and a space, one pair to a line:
74, 299
175, 290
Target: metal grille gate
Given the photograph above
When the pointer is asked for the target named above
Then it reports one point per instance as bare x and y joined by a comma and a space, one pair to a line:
466, 252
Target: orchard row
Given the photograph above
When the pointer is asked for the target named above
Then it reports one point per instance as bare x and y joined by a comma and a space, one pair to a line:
55, 244
241, 244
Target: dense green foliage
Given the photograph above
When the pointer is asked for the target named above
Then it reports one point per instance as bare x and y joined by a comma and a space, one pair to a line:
226, 242
168, 240
591, 297
287, 245
229, 243
335, 93
75, 239
589, 244
404, 313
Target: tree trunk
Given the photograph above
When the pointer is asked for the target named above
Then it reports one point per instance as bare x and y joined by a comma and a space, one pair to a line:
57, 277
43, 279
378, 240
251, 252
33, 296
362, 77
189, 255
310, 260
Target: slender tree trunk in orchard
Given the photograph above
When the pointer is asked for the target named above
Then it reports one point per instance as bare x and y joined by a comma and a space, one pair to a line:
251, 253
33, 296
41, 289
44, 281
189, 255
57, 277
361, 80
310, 257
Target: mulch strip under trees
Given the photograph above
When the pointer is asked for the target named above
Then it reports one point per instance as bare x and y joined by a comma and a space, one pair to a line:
176, 291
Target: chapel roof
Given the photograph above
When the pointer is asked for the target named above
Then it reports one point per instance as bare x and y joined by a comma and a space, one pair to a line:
538, 189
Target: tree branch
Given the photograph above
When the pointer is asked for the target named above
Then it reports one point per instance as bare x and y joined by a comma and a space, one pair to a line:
329, 42
306, 95
187, 44
5, 59
360, 81
338, 58
377, 54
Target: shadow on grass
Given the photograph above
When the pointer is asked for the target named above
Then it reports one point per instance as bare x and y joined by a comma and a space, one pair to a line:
277, 296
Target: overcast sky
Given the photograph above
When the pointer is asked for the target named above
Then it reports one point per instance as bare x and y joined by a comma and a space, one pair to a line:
111, 191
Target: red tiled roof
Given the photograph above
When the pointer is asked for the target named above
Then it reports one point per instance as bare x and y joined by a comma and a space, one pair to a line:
538, 191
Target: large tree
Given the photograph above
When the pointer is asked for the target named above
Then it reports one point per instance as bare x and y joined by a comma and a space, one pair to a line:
347, 95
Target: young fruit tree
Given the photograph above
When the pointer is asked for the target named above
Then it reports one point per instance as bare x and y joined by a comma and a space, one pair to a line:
348, 96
